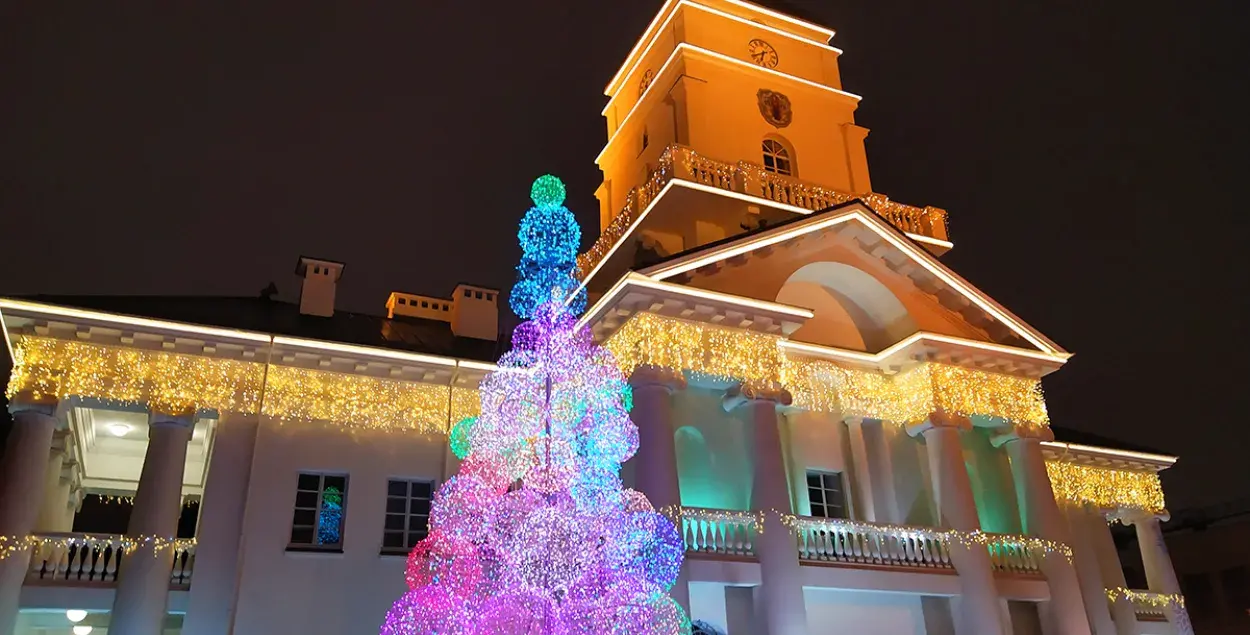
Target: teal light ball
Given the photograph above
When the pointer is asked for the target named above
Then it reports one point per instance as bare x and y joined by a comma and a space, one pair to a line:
547, 192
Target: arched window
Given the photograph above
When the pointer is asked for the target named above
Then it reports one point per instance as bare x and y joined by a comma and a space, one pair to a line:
777, 158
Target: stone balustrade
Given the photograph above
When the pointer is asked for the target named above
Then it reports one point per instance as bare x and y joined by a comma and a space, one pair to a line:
90, 559
1148, 606
680, 162
719, 532
845, 541
1014, 554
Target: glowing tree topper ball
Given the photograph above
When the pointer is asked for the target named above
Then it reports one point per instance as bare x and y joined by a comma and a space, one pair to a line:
535, 535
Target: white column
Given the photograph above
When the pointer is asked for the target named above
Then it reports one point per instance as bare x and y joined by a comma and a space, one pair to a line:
979, 606
22, 475
56, 488
874, 476
1093, 524
1160, 575
1089, 572
781, 588
214, 589
1066, 611
655, 464
143, 582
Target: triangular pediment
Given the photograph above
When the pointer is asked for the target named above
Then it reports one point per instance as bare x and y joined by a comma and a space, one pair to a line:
868, 284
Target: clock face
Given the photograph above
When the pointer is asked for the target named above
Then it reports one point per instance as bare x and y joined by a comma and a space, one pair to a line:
762, 53
646, 80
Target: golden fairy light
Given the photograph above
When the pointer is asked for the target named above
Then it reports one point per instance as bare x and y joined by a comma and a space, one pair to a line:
1106, 488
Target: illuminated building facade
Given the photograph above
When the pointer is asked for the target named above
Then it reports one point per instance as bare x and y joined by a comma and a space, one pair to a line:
852, 437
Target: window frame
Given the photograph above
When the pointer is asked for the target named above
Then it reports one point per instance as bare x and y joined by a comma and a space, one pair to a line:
823, 503
407, 532
777, 151
321, 477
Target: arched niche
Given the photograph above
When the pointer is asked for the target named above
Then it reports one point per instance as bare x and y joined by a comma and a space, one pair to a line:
853, 309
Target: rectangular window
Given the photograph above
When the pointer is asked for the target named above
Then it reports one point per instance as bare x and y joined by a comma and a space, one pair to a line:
490, 296
407, 514
468, 294
320, 505
828, 497
477, 294
425, 304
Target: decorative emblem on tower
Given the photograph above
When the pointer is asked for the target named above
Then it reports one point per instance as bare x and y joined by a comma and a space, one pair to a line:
775, 107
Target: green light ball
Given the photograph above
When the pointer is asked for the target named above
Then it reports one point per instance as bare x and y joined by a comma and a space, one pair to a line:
460, 437
547, 192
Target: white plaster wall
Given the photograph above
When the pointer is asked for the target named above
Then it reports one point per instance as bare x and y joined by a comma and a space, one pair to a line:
714, 463
831, 612
324, 594
707, 603
815, 441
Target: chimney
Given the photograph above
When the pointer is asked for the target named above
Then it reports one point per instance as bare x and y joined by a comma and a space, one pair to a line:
321, 277
475, 312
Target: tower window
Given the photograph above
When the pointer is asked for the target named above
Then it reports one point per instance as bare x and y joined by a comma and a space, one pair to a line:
777, 157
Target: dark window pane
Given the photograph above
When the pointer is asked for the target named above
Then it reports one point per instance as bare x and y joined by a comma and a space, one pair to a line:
393, 539
818, 510
395, 505
422, 489
813, 479
311, 482
304, 517
397, 488
816, 495
394, 521
768, 161
301, 536
419, 506
783, 165
339, 482
307, 500
413, 539
832, 481
418, 523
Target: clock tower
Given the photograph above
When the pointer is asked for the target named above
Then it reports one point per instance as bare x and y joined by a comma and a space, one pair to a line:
742, 109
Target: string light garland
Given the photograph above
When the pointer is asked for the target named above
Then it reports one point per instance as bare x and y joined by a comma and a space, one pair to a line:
10, 545
535, 533
167, 382
174, 382
1158, 601
821, 385
1106, 488
677, 514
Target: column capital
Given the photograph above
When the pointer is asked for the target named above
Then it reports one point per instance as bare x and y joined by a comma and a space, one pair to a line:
659, 376
184, 419
27, 402
739, 394
939, 420
1133, 516
1005, 435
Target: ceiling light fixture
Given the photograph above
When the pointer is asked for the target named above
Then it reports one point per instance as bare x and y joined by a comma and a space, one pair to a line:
75, 615
119, 429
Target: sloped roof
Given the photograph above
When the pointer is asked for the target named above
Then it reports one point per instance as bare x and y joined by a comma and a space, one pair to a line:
858, 212
283, 318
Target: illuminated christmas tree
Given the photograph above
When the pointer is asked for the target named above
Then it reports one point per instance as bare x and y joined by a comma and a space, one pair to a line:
536, 535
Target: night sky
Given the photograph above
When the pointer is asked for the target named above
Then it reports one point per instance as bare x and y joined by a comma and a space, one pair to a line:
1086, 151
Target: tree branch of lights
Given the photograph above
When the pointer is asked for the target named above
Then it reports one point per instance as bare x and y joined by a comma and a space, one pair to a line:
535, 534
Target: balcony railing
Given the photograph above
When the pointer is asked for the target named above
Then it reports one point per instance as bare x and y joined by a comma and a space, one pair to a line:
1148, 606
1014, 554
680, 162
846, 541
720, 532
86, 559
